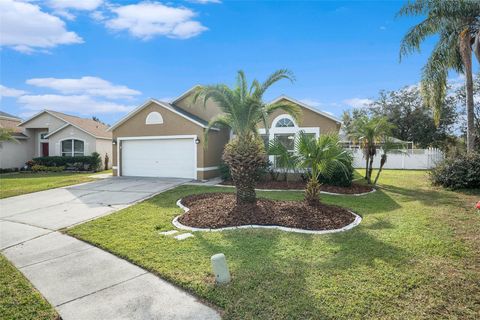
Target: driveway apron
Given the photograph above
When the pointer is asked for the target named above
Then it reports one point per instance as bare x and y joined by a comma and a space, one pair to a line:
82, 281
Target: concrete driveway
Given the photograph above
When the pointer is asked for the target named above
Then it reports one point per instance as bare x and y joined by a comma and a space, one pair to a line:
41, 212
82, 281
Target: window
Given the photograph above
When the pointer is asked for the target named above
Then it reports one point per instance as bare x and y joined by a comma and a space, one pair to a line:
288, 141
42, 136
284, 123
154, 118
72, 148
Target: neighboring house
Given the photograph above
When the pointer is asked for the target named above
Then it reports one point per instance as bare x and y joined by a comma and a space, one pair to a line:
161, 139
51, 133
13, 154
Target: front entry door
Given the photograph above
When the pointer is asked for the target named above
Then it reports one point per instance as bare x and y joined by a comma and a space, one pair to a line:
44, 149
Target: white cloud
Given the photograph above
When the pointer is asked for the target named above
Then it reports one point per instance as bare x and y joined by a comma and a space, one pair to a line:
311, 102
146, 20
98, 16
92, 86
25, 28
358, 102
82, 104
87, 5
204, 1
10, 92
63, 7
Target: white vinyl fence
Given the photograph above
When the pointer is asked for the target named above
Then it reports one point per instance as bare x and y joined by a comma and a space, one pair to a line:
402, 159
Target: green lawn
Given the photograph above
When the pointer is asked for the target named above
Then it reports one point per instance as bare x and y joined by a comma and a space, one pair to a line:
18, 299
14, 184
414, 256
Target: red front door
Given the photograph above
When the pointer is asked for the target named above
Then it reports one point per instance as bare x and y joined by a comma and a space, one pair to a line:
44, 149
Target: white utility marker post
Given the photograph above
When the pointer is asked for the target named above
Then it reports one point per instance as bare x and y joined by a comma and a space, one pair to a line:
220, 268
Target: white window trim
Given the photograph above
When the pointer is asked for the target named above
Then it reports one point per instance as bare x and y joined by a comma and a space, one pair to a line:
150, 118
287, 130
193, 137
73, 146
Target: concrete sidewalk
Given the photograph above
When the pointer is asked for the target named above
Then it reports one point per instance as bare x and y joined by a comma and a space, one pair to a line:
78, 279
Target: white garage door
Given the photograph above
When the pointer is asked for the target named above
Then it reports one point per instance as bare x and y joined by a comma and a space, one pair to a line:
159, 158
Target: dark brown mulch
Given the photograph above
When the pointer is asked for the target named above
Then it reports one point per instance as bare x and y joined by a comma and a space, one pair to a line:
218, 210
355, 188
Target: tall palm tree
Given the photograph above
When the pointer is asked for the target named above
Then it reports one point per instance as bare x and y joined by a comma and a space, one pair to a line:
368, 133
457, 24
243, 110
322, 156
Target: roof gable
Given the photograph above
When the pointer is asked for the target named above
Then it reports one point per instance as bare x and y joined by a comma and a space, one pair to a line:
303, 105
173, 108
91, 127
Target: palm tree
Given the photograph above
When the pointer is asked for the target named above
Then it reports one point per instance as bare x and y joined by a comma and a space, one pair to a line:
6, 135
243, 110
322, 156
368, 133
284, 159
388, 146
457, 24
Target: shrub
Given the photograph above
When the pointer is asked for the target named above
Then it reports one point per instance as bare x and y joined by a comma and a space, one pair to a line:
30, 163
8, 170
461, 171
40, 168
80, 163
340, 178
225, 171
96, 163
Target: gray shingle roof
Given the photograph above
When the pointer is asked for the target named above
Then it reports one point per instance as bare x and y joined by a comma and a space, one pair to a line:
4, 114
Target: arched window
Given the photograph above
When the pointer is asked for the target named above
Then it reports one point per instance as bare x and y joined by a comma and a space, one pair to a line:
73, 147
154, 118
284, 123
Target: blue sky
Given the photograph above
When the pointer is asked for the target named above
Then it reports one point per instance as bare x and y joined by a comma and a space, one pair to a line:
104, 58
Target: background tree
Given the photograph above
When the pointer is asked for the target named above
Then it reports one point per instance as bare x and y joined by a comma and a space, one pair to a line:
457, 25
413, 120
322, 156
6, 135
243, 110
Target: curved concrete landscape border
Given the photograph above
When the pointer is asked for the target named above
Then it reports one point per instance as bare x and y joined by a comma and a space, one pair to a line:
298, 190
179, 225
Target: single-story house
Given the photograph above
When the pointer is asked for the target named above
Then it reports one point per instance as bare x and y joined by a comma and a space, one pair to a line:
52, 133
13, 154
166, 139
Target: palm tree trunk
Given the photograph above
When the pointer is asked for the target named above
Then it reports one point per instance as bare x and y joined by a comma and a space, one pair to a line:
382, 163
370, 170
312, 191
366, 165
466, 53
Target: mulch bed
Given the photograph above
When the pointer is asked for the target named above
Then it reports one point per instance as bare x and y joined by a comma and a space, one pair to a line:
219, 210
355, 188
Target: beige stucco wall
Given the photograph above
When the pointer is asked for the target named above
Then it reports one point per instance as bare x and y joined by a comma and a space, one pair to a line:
173, 124
309, 118
205, 112
71, 132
